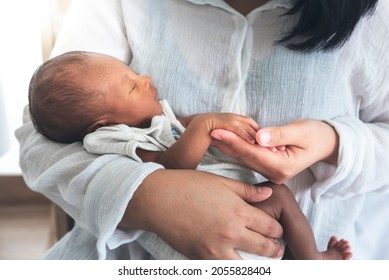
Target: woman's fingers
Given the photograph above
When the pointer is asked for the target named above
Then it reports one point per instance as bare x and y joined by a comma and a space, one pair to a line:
261, 228
262, 246
259, 221
249, 192
292, 134
315, 137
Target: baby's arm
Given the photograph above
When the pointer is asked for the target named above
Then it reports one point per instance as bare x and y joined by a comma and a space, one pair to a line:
187, 152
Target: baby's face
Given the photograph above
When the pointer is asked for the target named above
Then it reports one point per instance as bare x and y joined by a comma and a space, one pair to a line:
130, 99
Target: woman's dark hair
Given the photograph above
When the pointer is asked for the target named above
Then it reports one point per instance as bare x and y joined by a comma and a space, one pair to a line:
325, 24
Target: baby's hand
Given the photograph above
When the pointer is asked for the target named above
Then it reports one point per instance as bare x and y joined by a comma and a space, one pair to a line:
243, 126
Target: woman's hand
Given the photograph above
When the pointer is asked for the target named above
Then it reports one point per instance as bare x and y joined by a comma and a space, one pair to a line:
202, 215
303, 143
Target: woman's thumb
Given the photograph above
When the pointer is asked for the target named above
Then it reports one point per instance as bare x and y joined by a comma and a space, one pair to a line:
251, 193
274, 136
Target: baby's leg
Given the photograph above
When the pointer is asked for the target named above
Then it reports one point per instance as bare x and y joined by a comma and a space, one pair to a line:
298, 234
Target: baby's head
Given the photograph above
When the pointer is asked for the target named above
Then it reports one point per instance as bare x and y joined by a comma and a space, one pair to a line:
62, 98
75, 93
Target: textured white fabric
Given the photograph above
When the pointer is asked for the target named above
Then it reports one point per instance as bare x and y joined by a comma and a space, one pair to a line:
243, 73
124, 140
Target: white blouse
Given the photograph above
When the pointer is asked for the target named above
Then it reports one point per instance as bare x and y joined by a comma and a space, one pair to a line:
244, 72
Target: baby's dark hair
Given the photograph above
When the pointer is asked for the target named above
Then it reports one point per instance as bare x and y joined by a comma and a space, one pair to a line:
59, 101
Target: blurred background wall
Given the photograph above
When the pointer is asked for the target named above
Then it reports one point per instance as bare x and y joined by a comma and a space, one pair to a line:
29, 223
27, 33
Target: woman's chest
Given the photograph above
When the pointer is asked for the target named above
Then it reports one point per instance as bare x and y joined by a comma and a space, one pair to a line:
202, 59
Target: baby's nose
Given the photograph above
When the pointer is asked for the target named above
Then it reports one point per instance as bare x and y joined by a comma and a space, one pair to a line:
146, 81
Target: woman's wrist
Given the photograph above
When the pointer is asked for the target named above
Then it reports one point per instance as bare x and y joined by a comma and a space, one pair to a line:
332, 154
137, 214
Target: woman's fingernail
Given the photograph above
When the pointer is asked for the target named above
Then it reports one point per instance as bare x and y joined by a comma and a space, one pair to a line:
265, 137
264, 190
280, 253
216, 136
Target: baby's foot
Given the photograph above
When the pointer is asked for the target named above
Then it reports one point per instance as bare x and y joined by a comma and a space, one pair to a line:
337, 250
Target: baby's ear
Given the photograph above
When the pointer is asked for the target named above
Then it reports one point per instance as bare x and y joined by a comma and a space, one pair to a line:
93, 127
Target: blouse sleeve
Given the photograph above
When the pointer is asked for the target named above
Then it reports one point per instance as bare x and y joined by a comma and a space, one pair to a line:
94, 190
363, 164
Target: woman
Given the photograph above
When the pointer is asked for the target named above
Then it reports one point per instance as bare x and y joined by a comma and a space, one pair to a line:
225, 57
